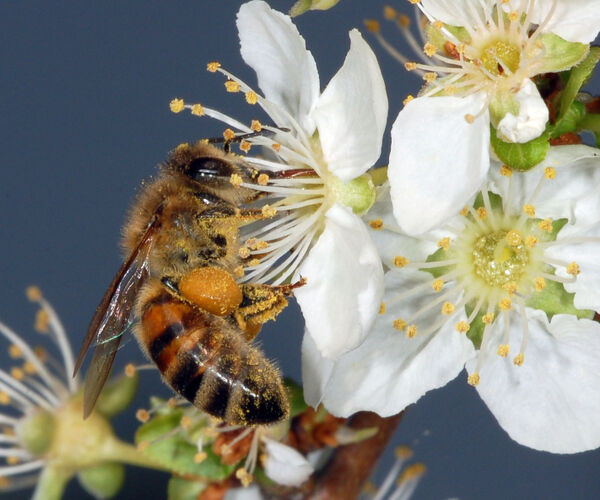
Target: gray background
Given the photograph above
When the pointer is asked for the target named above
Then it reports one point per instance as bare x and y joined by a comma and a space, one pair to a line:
84, 107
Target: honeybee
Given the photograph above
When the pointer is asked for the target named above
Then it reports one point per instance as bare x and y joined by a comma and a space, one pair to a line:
176, 290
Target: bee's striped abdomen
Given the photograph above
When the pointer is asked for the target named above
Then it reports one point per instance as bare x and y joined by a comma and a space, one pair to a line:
206, 360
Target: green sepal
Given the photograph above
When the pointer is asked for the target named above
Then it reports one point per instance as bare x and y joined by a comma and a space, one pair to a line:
591, 122
295, 397
570, 121
118, 394
36, 432
51, 483
182, 489
495, 201
557, 225
475, 333
520, 156
436, 272
301, 6
559, 54
103, 480
176, 452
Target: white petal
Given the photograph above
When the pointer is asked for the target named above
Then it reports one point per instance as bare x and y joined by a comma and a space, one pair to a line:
286, 71
573, 20
388, 371
285, 465
252, 492
344, 284
438, 161
552, 401
532, 118
458, 12
351, 113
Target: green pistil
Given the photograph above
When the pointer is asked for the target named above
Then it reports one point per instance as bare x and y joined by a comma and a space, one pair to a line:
503, 52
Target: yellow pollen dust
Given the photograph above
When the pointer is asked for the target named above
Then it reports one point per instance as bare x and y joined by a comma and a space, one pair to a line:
464, 211
437, 285
411, 331
142, 415
177, 105
511, 287
473, 379
430, 76
400, 261
488, 318
228, 134
389, 13
256, 126
42, 321
550, 172
506, 171
529, 210
462, 327
447, 308
33, 293
4, 398
130, 370
513, 16
573, 269
268, 211
17, 373
29, 368
213, 66
482, 213
382, 308
254, 262
376, 224
251, 97
438, 25
143, 445
519, 358
200, 457
429, 49
444, 243
244, 252
410, 66
182, 146
236, 180
172, 402
540, 284
232, 86
186, 422
245, 146
197, 110
14, 351
531, 241
514, 238
546, 225
399, 324
372, 25
503, 350
276, 146
469, 118
407, 99
244, 476
238, 272
505, 304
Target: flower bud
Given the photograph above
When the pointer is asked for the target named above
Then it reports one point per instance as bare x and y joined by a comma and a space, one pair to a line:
359, 194
301, 6
102, 480
36, 432
117, 394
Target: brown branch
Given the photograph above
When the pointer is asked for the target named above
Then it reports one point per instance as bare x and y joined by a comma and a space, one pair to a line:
350, 467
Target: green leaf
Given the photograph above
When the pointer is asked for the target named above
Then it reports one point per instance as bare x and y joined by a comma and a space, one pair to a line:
554, 299
117, 395
570, 120
559, 54
182, 489
295, 397
520, 156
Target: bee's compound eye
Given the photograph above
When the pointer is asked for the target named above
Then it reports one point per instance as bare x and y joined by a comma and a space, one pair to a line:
208, 169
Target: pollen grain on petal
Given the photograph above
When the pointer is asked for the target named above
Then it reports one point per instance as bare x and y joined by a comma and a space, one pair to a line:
505, 304
376, 224
447, 308
473, 379
518, 359
177, 105
444, 243
411, 331
488, 318
399, 324
382, 308
573, 269
437, 285
213, 66
462, 327
400, 261
506, 171
539, 283
503, 350
550, 172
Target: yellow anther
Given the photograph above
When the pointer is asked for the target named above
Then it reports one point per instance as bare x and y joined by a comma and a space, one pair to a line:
429, 49
399, 324
172, 402
503, 350
142, 415
546, 225
462, 327
464, 211
42, 321
372, 25
505, 304
29, 368
412, 472
254, 262
514, 238
411, 331
228, 134
143, 445
130, 370
256, 126
382, 308
506, 171
488, 318
4, 482
213, 66
238, 272
531, 241
473, 379
251, 97
14, 351
529, 210
430, 76
177, 105
200, 457
389, 13
245, 146
513, 16
482, 213
407, 99
197, 110
186, 422
12, 460
244, 476
438, 25
414, 2
573, 269
400, 261
17, 373
40, 352
410, 66
447, 308
444, 243
450, 90
232, 86
263, 179
251, 243
4, 398
268, 211
469, 118
550, 172
376, 224
276, 146
244, 252
511, 287
181, 147
519, 358
403, 452
403, 20
236, 180
437, 285
33, 293
540, 284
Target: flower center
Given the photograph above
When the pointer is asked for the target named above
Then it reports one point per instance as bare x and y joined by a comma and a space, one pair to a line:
496, 261
499, 56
